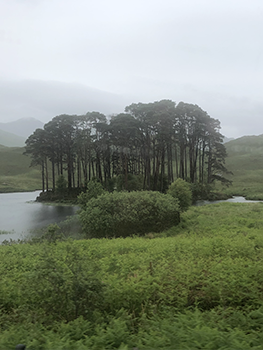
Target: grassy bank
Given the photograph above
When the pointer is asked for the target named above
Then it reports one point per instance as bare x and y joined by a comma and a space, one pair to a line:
16, 175
245, 160
195, 286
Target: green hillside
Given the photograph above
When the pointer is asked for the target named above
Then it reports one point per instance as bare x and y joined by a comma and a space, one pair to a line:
245, 160
15, 171
11, 140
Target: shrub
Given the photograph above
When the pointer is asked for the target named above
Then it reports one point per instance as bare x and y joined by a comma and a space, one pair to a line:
124, 214
201, 191
61, 184
181, 190
94, 189
53, 233
64, 287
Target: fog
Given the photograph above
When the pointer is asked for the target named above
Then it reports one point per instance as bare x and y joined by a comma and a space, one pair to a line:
74, 57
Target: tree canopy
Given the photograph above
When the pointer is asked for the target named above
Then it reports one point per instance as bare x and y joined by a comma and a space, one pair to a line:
157, 142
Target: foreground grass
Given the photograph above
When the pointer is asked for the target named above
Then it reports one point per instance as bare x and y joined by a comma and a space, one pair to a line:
195, 286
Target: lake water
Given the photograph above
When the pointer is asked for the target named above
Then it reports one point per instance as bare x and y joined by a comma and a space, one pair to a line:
230, 200
20, 214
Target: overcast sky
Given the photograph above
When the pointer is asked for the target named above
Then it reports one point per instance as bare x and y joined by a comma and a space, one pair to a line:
65, 56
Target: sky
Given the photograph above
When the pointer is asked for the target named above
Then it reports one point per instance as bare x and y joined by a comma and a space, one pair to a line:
65, 56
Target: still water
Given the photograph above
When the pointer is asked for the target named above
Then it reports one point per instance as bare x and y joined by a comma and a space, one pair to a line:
20, 214
236, 199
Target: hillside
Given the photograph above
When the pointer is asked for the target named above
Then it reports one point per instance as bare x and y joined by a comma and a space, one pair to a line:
15, 171
11, 140
46, 99
22, 127
245, 160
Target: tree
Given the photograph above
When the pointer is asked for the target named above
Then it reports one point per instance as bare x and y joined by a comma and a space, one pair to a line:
156, 125
62, 131
124, 131
36, 147
157, 142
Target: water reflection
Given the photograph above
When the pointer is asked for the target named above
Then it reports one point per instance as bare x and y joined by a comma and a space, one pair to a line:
48, 214
19, 214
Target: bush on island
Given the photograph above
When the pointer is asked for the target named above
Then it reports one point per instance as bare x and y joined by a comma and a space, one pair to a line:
122, 214
94, 189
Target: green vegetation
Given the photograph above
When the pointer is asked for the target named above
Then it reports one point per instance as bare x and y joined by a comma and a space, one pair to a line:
245, 160
197, 285
188, 280
181, 190
94, 189
119, 168
16, 175
122, 214
147, 147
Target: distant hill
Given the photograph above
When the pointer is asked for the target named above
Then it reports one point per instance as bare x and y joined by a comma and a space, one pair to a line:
46, 99
22, 127
227, 139
11, 140
251, 145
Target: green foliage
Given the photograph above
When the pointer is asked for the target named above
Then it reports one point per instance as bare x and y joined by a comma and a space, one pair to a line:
52, 233
196, 286
66, 196
61, 184
201, 191
124, 214
159, 183
63, 289
132, 183
181, 190
188, 330
207, 192
71, 227
94, 189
